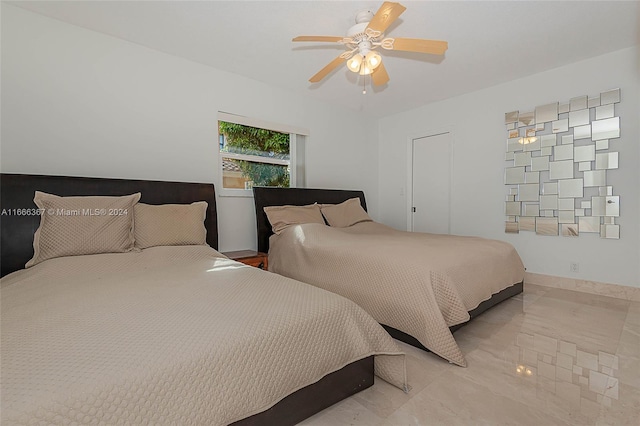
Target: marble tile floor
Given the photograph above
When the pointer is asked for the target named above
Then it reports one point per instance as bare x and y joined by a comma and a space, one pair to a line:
545, 357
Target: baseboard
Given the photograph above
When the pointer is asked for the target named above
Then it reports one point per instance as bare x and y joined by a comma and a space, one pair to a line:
603, 289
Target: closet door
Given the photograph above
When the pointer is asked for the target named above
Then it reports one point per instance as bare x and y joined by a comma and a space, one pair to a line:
431, 184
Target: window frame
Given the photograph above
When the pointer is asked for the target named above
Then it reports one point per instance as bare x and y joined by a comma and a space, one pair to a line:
297, 135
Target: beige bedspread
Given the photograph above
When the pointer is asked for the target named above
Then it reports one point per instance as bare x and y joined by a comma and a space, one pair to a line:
417, 283
170, 335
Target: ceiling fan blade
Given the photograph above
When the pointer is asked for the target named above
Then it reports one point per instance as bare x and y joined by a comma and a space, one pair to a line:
380, 76
434, 47
318, 38
326, 70
388, 12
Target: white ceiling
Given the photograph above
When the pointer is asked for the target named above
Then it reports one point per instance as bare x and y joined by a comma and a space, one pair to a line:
489, 41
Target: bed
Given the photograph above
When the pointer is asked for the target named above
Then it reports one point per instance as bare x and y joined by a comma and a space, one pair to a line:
168, 334
420, 287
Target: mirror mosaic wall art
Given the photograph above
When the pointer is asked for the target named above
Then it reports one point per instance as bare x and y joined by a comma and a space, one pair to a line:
558, 157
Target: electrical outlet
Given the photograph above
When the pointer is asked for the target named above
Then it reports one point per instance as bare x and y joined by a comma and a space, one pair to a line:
574, 267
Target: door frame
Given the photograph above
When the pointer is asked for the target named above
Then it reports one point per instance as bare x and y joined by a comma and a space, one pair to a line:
410, 140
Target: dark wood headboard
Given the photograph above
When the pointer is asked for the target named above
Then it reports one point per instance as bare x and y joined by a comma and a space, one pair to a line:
271, 196
17, 191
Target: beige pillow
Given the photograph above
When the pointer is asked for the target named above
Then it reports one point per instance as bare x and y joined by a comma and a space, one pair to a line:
345, 214
73, 226
170, 224
282, 217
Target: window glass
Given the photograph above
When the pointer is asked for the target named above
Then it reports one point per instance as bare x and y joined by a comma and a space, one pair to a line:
253, 156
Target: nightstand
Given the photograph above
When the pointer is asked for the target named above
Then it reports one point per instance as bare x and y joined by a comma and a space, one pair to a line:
249, 257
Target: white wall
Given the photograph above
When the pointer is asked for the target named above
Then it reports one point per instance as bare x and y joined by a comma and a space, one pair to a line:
477, 122
80, 103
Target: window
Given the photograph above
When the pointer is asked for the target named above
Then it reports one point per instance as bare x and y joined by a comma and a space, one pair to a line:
258, 153
253, 156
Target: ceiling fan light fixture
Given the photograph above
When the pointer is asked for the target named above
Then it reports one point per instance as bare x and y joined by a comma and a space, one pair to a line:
365, 69
354, 64
373, 60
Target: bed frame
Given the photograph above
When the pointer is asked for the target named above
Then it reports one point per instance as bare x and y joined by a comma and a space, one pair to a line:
17, 229
270, 196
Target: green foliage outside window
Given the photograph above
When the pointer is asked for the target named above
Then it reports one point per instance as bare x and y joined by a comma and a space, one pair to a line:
247, 138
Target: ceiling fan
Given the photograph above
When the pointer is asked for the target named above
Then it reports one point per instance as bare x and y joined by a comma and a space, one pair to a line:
367, 35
